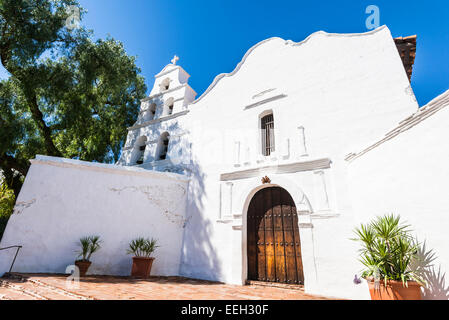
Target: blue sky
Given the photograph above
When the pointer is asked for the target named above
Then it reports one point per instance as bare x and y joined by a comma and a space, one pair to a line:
211, 37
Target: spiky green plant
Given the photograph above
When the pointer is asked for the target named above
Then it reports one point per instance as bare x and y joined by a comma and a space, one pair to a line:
388, 250
89, 245
141, 247
94, 245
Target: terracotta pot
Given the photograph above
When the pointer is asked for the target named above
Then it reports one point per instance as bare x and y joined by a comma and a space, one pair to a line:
83, 266
141, 267
395, 290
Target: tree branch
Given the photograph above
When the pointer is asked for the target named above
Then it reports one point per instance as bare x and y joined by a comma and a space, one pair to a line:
9, 162
38, 117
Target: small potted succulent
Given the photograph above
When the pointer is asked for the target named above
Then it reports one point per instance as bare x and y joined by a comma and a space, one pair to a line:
88, 245
142, 249
389, 253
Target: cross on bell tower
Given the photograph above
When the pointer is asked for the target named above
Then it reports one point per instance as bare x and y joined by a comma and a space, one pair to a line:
175, 59
156, 141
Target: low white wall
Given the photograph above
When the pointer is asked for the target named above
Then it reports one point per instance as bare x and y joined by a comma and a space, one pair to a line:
409, 176
63, 200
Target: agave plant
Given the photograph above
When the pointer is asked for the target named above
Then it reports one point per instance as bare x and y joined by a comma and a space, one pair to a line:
388, 250
89, 245
141, 247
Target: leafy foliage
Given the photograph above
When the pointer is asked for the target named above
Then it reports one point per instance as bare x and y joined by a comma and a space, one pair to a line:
89, 245
388, 250
66, 95
7, 199
141, 247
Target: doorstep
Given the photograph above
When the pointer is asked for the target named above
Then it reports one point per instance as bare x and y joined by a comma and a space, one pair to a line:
275, 285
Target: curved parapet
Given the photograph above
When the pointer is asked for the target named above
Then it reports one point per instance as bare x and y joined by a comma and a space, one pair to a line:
286, 42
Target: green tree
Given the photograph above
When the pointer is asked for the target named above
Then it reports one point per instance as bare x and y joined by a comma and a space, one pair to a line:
67, 95
7, 199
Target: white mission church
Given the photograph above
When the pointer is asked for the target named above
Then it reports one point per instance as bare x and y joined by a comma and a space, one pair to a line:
262, 177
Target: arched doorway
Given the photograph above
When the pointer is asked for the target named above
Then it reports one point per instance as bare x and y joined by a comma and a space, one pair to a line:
274, 248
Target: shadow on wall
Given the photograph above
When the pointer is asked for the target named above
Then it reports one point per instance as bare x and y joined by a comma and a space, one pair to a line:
175, 152
132, 141
197, 251
198, 258
198, 255
436, 283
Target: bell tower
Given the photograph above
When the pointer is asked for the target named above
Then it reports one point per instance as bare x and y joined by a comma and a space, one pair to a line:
157, 141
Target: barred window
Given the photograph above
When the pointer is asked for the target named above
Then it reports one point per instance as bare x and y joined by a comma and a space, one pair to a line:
267, 126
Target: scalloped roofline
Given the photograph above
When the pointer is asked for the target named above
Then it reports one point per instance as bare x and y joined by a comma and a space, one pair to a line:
239, 65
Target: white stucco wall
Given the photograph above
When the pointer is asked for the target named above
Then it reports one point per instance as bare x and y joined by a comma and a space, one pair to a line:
345, 91
330, 95
63, 200
408, 175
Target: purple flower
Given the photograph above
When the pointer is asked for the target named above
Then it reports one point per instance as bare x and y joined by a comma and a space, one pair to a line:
357, 280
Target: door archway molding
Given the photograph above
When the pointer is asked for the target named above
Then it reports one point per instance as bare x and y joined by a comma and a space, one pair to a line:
306, 234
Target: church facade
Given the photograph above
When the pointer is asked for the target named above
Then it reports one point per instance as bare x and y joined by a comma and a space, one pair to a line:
263, 177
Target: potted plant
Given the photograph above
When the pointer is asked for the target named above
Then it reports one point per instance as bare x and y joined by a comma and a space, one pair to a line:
388, 252
142, 249
88, 245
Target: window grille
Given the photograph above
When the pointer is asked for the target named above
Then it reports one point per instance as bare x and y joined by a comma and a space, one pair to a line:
267, 125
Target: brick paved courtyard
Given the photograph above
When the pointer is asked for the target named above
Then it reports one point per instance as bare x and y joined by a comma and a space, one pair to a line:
54, 287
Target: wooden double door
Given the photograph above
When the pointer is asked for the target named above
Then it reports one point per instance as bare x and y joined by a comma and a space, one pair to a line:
274, 248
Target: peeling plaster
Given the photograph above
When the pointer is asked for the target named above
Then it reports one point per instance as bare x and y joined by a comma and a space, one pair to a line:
22, 205
162, 197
